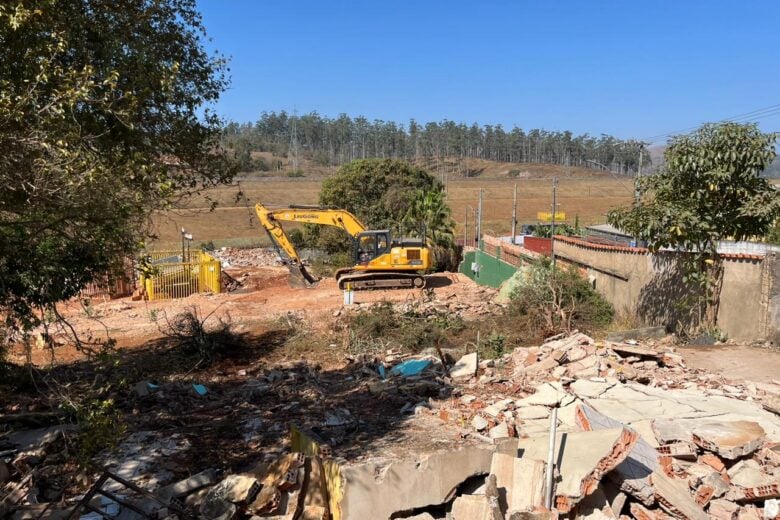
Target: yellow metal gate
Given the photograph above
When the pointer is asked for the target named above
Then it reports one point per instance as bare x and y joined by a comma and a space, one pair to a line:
171, 277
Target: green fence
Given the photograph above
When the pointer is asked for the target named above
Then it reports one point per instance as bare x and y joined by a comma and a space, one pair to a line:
486, 269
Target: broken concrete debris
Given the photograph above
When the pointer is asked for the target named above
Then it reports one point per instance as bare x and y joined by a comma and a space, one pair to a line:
465, 368
639, 435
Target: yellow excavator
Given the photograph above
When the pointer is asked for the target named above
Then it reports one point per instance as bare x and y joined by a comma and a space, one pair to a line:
381, 261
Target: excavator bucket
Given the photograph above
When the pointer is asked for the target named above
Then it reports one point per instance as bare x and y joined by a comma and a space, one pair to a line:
299, 277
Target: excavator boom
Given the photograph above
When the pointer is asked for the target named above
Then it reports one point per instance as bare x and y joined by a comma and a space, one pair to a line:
270, 219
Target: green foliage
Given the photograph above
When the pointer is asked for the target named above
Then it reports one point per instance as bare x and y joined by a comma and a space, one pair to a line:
383, 326
387, 194
493, 346
101, 427
328, 265
559, 300
773, 235
709, 190
429, 209
295, 174
560, 229
297, 238
380, 192
335, 141
102, 121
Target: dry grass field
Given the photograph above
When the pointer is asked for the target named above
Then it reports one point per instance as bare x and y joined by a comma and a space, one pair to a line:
234, 221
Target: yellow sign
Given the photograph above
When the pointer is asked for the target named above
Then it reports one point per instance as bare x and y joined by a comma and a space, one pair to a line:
546, 216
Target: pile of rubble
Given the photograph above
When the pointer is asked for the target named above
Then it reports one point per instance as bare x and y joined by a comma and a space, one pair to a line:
247, 257
472, 301
637, 434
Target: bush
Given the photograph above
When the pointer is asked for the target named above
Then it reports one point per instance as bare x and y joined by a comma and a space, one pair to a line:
101, 425
383, 326
295, 174
194, 337
261, 164
492, 347
297, 238
559, 300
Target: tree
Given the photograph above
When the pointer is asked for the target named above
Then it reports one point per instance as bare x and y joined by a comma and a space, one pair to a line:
102, 121
384, 194
344, 139
430, 209
708, 190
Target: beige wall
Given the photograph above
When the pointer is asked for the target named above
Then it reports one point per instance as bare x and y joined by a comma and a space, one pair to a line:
651, 286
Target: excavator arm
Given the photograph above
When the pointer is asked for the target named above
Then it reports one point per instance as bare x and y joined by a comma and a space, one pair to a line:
270, 219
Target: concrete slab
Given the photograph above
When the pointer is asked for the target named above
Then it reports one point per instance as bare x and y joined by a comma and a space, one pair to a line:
520, 482
470, 507
532, 412
633, 402
465, 368
747, 474
378, 488
548, 394
730, 440
673, 497
633, 474
588, 389
582, 459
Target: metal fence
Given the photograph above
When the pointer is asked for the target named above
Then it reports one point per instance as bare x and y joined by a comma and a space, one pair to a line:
115, 284
172, 276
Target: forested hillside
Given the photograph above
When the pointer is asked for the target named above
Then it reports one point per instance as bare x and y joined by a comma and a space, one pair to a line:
332, 142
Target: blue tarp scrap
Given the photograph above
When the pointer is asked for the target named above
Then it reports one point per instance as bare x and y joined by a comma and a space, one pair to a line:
411, 367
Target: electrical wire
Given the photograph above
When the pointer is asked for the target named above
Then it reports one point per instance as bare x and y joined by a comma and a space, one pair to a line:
752, 116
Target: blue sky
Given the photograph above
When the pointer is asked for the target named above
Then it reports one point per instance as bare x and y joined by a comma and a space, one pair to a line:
627, 68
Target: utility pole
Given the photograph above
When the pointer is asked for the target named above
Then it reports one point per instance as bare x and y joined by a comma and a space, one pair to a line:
466, 228
294, 140
552, 230
479, 220
636, 186
514, 215
638, 176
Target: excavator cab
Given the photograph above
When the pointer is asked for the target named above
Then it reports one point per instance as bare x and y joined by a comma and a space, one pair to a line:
370, 245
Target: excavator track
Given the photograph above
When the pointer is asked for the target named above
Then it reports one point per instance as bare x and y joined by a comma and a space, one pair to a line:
363, 280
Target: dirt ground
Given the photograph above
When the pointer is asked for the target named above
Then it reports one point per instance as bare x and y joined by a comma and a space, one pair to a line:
266, 298
735, 361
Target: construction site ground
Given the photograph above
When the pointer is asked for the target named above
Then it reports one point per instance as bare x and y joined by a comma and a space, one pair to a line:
265, 296
236, 414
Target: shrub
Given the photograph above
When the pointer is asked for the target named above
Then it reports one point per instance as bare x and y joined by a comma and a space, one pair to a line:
559, 300
101, 426
383, 326
297, 238
194, 337
493, 346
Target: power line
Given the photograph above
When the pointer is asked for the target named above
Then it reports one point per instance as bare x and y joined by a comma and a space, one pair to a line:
757, 114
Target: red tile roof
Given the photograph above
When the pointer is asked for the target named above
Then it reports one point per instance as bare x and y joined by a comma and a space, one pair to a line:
643, 250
